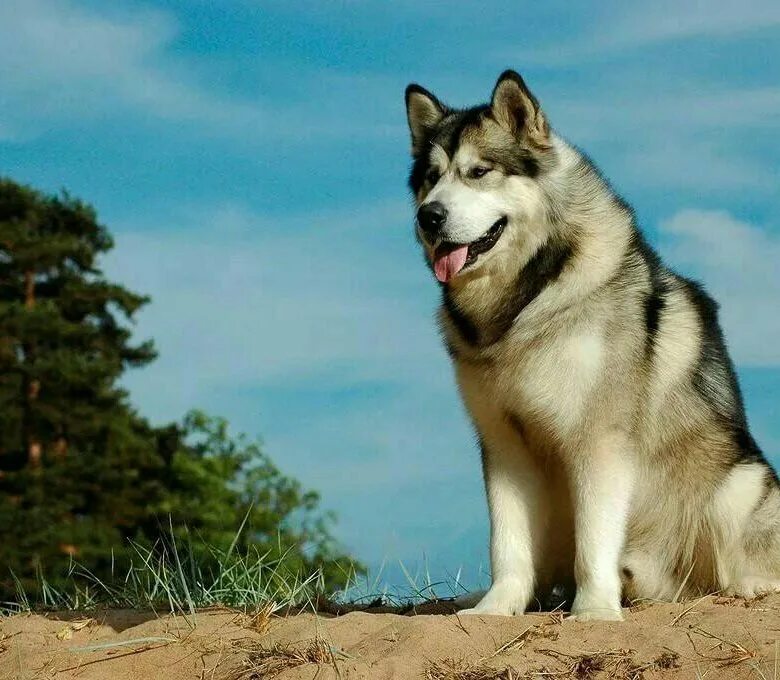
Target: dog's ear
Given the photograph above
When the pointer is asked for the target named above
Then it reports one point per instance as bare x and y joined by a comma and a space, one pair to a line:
423, 111
515, 107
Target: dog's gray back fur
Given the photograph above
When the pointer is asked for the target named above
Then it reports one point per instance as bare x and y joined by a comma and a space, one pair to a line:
597, 379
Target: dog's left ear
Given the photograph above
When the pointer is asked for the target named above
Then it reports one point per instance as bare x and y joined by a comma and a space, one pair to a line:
423, 111
516, 108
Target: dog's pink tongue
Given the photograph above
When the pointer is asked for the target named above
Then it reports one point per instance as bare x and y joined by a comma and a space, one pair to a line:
446, 266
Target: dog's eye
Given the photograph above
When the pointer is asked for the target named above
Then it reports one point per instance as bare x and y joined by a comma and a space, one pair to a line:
433, 175
478, 171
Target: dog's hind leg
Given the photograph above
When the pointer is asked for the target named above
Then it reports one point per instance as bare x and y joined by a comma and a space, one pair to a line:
745, 526
646, 577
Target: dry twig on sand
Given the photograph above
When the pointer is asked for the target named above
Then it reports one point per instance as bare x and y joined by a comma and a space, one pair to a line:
266, 662
616, 662
460, 669
530, 633
734, 653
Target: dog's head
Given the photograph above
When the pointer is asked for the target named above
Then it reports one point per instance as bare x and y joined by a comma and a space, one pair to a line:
475, 173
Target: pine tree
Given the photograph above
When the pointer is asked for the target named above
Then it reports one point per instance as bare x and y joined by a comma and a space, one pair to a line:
63, 344
68, 439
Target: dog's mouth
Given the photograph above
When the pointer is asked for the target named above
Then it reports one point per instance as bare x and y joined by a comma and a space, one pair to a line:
451, 258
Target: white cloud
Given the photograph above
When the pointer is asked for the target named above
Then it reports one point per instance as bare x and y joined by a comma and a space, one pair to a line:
617, 27
644, 23
675, 110
262, 299
681, 136
737, 261
61, 62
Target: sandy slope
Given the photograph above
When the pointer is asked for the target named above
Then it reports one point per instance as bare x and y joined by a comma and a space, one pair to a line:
713, 638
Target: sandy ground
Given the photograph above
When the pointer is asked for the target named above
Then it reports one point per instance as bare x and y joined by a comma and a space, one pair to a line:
711, 638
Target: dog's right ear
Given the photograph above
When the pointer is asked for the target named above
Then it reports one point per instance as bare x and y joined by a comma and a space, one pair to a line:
516, 108
423, 111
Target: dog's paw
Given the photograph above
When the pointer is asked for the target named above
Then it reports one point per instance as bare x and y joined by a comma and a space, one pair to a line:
598, 614
505, 598
474, 611
596, 606
753, 587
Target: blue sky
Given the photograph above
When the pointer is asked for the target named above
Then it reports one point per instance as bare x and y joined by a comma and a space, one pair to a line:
251, 155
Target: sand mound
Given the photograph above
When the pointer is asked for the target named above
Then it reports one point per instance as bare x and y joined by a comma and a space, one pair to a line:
712, 638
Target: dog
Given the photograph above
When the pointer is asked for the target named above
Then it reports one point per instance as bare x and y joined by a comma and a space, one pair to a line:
615, 448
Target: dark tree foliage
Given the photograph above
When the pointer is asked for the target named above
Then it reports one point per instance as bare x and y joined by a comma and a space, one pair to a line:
81, 472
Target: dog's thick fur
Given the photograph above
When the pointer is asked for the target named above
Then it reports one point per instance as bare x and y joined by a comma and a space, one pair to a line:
616, 451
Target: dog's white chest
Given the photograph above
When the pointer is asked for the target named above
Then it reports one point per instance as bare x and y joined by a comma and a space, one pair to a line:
551, 381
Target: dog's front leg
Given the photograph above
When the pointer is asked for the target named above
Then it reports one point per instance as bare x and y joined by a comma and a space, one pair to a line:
515, 491
601, 482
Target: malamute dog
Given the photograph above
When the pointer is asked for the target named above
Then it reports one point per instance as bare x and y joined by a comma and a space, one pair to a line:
615, 448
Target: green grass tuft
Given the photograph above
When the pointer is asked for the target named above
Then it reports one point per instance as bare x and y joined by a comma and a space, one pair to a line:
178, 578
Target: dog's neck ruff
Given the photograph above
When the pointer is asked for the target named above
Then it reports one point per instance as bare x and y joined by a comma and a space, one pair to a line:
542, 269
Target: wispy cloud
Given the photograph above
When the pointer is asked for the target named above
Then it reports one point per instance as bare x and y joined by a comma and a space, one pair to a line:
691, 140
617, 27
674, 110
62, 62
635, 25
260, 298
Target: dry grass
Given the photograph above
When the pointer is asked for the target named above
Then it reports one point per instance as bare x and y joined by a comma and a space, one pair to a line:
66, 633
747, 602
617, 663
267, 662
667, 660
640, 605
556, 617
728, 653
688, 610
260, 621
530, 633
460, 669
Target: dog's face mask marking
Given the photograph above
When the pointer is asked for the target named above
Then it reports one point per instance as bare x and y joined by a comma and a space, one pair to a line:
471, 171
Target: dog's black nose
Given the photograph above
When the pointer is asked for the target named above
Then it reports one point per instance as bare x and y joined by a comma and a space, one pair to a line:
431, 217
